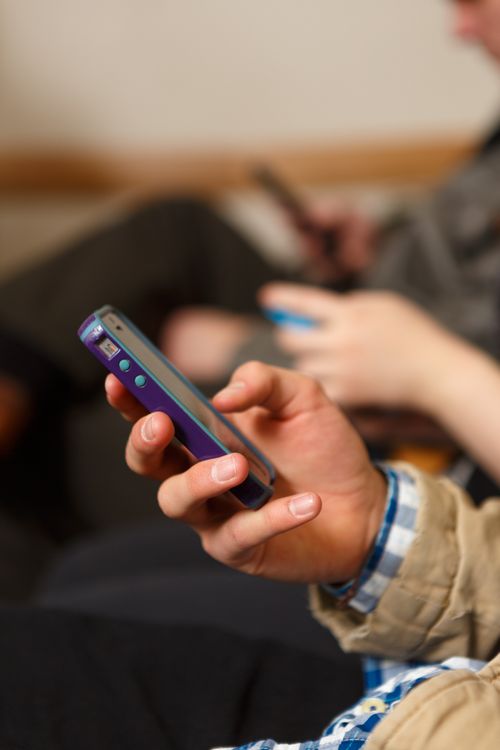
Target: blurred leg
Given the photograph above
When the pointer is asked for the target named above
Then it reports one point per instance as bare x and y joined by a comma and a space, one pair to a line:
74, 682
158, 572
170, 254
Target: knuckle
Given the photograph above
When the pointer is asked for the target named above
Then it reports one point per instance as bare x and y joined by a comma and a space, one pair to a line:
312, 389
250, 370
164, 497
196, 481
236, 536
181, 493
210, 548
169, 500
254, 565
135, 462
272, 518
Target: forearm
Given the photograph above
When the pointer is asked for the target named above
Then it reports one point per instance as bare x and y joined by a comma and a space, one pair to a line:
464, 398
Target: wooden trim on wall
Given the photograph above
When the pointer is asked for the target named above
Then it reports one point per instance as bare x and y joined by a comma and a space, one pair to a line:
417, 160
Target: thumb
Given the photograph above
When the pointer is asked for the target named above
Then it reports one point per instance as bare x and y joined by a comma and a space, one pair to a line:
237, 541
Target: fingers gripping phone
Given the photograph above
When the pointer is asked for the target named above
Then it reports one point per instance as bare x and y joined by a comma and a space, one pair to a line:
159, 386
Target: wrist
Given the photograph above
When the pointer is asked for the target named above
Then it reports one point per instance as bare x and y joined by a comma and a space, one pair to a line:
393, 539
369, 523
377, 504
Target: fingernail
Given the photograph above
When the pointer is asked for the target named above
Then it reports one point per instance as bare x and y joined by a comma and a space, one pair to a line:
224, 469
148, 429
232, 387
302, 506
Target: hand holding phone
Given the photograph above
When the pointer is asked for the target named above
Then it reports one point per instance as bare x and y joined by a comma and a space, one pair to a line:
328, 499
159, 386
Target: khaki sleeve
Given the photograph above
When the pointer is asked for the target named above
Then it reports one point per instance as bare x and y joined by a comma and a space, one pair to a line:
459, 710
445, 600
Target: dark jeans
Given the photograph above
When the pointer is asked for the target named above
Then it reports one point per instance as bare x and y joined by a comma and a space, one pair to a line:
74, 682
158, 572
139, 639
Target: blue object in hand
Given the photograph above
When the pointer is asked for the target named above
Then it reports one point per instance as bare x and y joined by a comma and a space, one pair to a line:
282, 317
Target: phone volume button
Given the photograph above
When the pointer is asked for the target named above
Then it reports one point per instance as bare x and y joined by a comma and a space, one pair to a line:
140, 381
124, 365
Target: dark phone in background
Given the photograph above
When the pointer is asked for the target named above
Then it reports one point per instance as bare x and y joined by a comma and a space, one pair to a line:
288, 199
332, 268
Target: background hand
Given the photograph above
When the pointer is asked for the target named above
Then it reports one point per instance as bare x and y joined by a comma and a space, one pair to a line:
202, 341
369, 348
348, 236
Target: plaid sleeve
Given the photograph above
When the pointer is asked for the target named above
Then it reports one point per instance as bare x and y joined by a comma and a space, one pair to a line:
395, 536
351, 729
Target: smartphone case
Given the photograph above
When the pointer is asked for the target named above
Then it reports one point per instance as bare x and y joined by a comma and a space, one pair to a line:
155, 396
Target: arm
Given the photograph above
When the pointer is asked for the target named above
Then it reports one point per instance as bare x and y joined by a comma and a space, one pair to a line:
465, 400
378, 349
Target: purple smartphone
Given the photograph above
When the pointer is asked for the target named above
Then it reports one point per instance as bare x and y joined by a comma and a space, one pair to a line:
159, 386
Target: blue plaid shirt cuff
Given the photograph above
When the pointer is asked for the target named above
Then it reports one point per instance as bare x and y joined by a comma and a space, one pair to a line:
395, 536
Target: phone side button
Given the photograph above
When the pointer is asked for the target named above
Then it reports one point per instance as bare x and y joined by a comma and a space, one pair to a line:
124, 365
140, 381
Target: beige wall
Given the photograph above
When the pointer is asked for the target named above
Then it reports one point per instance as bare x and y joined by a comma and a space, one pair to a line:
164, 73
161, 74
